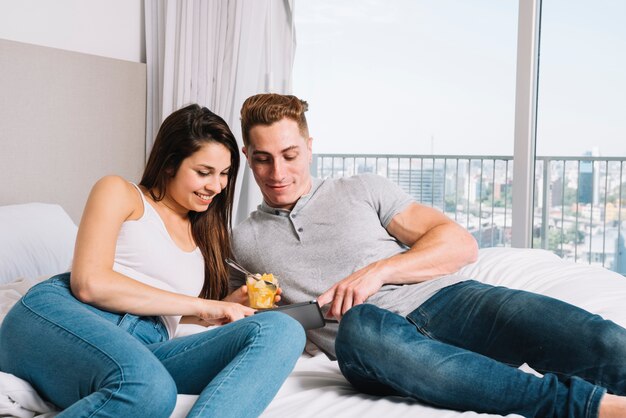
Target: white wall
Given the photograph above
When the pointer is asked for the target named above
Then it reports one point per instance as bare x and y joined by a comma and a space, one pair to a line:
67, 119
109, 28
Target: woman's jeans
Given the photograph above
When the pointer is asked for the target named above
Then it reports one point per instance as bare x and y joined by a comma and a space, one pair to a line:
461, 349
94, 363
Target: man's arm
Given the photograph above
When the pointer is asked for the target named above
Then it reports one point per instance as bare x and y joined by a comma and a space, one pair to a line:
438, 246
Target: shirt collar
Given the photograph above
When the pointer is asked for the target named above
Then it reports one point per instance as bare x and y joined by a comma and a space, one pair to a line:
315, 184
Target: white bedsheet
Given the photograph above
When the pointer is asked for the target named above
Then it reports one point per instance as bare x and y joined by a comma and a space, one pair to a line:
19, 399
316, 388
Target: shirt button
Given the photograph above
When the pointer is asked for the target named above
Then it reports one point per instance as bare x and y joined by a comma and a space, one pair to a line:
300, 229
277, 212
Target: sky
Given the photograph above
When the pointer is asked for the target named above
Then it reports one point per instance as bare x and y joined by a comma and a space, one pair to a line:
438, 76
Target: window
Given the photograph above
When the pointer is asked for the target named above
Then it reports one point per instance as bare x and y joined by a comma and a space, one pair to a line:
426, 89
423, 92
581, 131
407, 76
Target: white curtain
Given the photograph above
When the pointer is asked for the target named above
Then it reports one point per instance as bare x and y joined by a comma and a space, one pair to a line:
217, 53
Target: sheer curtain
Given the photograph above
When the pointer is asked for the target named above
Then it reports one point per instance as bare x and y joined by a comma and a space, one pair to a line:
217, 53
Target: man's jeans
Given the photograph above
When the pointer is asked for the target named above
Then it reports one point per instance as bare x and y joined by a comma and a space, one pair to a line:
461, 349
96, 363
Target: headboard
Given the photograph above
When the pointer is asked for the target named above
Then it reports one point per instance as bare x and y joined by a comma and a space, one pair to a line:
67, 119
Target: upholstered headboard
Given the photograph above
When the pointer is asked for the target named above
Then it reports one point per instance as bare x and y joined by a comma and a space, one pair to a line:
67, 119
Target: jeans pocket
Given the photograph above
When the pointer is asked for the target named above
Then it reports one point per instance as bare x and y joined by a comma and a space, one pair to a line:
420, 319
59, 281
147, 329
62, 280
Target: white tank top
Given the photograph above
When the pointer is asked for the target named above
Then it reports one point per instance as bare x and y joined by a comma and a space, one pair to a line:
146, 252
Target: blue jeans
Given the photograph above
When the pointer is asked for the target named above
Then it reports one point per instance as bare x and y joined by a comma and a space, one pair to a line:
461, 349
93, 363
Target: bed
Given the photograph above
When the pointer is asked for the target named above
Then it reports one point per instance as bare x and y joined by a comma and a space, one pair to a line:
36, 241
86, 119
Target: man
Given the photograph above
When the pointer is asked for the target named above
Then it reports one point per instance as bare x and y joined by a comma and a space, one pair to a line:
385, 267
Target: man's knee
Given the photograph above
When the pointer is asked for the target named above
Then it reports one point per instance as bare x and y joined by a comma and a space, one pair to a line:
362, 316
610, 342
360, 328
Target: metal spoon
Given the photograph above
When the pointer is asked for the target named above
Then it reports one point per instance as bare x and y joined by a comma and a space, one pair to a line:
236, 266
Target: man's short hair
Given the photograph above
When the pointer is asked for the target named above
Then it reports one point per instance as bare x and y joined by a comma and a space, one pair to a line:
267, 108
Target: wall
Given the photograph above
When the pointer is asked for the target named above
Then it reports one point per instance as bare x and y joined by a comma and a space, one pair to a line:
67, 119
109, 28
73, 102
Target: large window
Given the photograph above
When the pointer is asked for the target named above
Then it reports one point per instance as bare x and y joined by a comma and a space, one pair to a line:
426, 89
581, 131
582, 78
407, 76
424, 92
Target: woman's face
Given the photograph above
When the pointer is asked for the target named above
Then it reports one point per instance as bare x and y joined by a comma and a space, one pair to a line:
200, 177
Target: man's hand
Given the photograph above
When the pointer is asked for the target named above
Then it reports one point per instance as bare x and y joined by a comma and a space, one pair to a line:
351, 291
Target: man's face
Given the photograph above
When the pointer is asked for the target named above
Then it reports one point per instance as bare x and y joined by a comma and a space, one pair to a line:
279, 157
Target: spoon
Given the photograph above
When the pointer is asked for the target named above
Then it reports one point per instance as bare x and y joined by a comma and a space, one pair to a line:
237, 266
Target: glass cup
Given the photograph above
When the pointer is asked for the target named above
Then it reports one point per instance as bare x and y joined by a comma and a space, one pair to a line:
261, 290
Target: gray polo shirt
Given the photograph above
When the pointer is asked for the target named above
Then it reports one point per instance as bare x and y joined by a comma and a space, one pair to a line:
336, 229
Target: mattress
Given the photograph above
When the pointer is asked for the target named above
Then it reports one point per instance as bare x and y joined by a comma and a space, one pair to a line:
315, 388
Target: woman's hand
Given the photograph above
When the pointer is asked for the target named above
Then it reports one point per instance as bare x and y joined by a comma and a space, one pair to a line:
277, 297
241, 296
216, 312
238, 296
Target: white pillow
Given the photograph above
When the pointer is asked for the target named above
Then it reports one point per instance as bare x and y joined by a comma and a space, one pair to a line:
10, 293
36, 239
593, 288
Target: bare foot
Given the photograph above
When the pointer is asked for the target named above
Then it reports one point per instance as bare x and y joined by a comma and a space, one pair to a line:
612, 406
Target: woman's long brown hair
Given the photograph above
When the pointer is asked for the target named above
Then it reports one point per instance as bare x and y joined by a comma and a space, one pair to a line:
182, 134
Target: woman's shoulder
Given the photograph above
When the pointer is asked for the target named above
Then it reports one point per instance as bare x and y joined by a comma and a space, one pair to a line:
116, 191
115, 184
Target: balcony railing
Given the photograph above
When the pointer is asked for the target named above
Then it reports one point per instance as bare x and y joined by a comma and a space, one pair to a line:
579, 207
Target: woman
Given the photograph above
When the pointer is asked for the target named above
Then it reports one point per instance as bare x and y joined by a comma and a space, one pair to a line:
98, 341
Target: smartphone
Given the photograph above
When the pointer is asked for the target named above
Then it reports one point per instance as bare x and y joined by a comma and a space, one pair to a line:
308, 313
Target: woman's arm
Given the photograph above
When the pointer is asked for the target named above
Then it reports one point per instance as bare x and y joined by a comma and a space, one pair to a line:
111, 202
